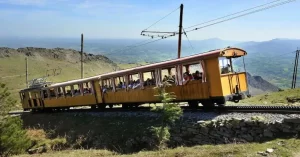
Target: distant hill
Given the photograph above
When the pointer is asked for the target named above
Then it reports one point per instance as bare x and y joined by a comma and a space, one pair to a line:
12, 65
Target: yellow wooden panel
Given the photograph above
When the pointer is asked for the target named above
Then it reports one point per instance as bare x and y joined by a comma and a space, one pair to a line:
243, 81
132, 95
229, 81
55, 102
98, 91
81, 100
225, 85
214, 77
195, 90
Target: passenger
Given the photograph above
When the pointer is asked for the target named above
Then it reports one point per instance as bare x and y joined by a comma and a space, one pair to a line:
186, 78
197, 75
165, 78
120, 85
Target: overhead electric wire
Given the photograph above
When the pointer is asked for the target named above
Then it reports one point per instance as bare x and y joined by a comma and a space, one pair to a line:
265, 8
188, 39
161, 18
232, 14
148, 41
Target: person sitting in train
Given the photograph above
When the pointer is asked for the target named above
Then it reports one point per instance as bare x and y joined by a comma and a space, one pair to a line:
124, 85
226, 69
104, 89
136, 84
120, 85
197, 75
165, 78
186, 78
86, 91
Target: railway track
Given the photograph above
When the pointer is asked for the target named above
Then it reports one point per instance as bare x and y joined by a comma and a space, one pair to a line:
219, 109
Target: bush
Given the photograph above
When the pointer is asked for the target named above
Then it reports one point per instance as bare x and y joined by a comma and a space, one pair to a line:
169, 113
13, 139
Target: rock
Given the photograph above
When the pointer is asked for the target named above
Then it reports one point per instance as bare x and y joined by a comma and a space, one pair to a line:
204, 130
292, 120
268, 133
270, 150
247, 137
262, 153
257, 118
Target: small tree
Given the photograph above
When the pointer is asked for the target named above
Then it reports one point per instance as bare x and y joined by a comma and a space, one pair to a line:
13, 139
169, 113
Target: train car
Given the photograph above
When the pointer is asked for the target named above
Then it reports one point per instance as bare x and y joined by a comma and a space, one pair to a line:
214, 80
207, 78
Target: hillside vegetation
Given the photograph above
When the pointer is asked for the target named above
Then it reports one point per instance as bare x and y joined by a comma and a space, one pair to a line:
281, 147
12, 65
284, 97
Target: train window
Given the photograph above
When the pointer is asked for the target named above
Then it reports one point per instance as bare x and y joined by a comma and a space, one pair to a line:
196, 71
148, 79
225, 65
134, 81
45, 93
22, 95
68, 91
168, 75
87, 88
120, 83
76, 89
106, 85
52, 93
60, 92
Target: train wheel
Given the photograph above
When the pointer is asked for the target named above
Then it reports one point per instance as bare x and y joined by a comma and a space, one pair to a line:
93, 107
125, 106
221, 102
111, 106
101, 107
193, 104
207, 103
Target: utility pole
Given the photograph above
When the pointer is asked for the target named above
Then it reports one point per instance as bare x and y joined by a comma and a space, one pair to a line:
180, 30
295, 69
82, 56
26, 65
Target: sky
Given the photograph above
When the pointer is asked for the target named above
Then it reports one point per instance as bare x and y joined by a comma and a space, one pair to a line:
117, 19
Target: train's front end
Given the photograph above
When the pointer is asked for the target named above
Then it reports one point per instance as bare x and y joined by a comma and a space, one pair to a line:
233, 74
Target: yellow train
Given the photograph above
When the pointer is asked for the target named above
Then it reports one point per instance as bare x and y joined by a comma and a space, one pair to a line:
206, 78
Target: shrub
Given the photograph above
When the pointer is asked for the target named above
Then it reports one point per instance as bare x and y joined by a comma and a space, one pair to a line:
169, 113
13, 139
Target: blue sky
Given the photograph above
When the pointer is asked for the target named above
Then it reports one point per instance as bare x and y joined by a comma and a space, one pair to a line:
127, 18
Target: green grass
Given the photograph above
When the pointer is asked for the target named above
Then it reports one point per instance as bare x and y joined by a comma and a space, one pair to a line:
274, 98
282, 148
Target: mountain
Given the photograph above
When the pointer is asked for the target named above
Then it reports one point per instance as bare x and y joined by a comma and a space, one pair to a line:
257, 85
273, 60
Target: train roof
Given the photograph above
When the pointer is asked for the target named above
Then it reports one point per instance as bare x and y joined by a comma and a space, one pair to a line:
226, 52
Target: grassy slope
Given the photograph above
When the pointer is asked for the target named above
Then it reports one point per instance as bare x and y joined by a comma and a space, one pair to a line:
275, 98
37, 67
282, 148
